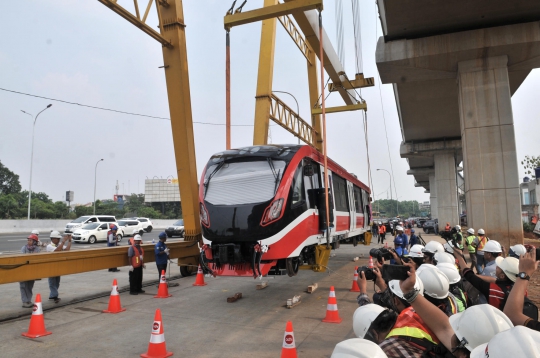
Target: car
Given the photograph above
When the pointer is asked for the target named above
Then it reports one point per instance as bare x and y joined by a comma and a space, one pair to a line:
80, 221
93, 232
430, 226
126, 227
420, 222
177, 229
146, 223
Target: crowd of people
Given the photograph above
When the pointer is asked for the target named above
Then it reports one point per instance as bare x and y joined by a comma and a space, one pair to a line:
443, 308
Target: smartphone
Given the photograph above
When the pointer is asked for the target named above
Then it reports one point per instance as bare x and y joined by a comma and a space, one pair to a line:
395, 272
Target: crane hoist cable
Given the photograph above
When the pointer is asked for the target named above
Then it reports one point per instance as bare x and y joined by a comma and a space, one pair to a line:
357, 35
228, 90
339, 32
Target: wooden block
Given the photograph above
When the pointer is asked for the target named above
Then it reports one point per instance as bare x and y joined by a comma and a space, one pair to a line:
291, 302
262, 285
312, 288
234, 298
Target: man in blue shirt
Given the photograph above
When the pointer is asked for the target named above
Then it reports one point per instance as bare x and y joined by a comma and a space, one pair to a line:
162, 254
401, 241
414, 239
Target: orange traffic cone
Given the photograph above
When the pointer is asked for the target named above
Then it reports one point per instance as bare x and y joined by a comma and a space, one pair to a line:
289, 348
157, 347
332, 314
163, 291
370, 264
355, 287
199, 281
37, 323
114, 301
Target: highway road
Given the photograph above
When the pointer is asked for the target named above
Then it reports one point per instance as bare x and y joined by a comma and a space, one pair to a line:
12, 243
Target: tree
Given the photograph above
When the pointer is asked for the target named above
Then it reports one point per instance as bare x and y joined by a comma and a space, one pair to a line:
9, 181
8, 206
530, 163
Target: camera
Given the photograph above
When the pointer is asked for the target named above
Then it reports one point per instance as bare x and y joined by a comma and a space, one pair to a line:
449, 237
380, 254
368, 273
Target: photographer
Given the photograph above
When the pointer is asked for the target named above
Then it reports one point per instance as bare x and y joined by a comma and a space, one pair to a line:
492, 250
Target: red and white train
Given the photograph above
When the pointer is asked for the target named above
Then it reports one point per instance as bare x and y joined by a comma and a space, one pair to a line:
262, 209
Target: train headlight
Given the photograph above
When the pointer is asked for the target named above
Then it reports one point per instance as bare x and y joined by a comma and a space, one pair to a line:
273, 212
205, 219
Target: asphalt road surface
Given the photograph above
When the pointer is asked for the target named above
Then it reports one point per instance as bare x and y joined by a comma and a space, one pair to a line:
12, 243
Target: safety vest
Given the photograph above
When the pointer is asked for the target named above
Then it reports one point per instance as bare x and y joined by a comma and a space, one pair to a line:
482, 242
459, 301
409, 324
136, 260
382, 229
447, 228
469, 240
497, 297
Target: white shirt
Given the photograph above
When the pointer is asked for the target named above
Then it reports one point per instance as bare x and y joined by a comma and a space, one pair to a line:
51, 247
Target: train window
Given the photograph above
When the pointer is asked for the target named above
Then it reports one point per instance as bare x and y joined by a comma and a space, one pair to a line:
298, 194
357, 200
340, 193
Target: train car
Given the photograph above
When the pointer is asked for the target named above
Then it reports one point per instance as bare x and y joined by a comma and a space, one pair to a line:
263, 209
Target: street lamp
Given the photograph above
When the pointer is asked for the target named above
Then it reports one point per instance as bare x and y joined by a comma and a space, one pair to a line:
397, 207
32, 157
95, 181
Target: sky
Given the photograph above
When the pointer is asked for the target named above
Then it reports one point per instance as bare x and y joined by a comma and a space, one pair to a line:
82, 52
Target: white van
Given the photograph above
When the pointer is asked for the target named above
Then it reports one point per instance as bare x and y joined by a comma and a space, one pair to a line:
79, 222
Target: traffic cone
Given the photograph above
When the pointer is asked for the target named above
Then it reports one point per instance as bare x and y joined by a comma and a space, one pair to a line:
199, 281
114, 301
289, 347
157, 347
370, 264
355, 287
332, 314
163, 290
37, 323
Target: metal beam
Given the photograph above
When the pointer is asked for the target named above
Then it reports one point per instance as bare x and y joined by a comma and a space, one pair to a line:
17, 268
352, 107
359, 82
291, 121
270, 12
297, 37
136, 21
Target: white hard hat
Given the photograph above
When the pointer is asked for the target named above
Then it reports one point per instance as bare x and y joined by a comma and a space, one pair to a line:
35, 232
519, 341
396, 289
481, 232
55, 235
137, 237
478, 324
449, 247
433, 247
470, 231
358, 348
416, 251
423, 267
445, 257
399, 228
492, 246
450, 270
457, 227
363, 318
435, 282
518, 249
509, 265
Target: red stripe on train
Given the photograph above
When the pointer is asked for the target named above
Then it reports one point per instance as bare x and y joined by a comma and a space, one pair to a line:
342, 223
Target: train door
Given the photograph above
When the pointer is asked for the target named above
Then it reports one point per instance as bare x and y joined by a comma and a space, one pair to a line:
352, 208
342, 210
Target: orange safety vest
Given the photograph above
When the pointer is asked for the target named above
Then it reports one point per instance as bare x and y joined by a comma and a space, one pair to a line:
382, 229
481, 243
136, 260
409, 324
447, 228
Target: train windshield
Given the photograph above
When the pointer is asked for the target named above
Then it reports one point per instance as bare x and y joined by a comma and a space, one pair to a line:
242, 182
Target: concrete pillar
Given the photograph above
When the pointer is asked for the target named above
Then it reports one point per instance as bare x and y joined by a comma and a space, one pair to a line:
489, 149
445, 176
433, 196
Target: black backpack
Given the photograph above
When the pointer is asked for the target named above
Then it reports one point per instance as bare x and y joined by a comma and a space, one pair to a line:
529, 308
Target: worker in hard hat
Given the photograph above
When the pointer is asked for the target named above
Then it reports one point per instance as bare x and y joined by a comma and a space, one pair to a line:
373, 322
456, 292
437, 288
357, 348
514, 342
515, 303
382, 233
492, 250
493, 288
401, 242
26, 287
136, 259
429, 251
40, 243
469, 239
458, 236
479, 242
58, 243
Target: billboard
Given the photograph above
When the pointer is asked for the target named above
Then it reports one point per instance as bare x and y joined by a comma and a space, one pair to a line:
161, 190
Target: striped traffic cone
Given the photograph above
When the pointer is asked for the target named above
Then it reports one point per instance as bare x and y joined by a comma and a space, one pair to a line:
163, 290
114, 301
355, 287
332, 314
37, 322
199, 281
288, 349
370, 264
157, 347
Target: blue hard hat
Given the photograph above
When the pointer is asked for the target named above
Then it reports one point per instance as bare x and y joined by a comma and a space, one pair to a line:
412, 230
113, 227
162, 235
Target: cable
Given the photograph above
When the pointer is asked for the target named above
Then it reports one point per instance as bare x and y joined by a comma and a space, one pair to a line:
339, 31
114, 110
357, 35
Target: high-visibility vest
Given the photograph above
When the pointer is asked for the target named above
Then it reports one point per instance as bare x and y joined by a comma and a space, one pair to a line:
382, 229
482, 242
469, 240
136, 260
409, 324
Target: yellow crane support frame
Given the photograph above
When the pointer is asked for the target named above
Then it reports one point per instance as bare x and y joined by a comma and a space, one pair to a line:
17, 268
291, 121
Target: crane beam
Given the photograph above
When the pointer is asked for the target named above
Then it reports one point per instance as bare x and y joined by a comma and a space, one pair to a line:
291, 121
